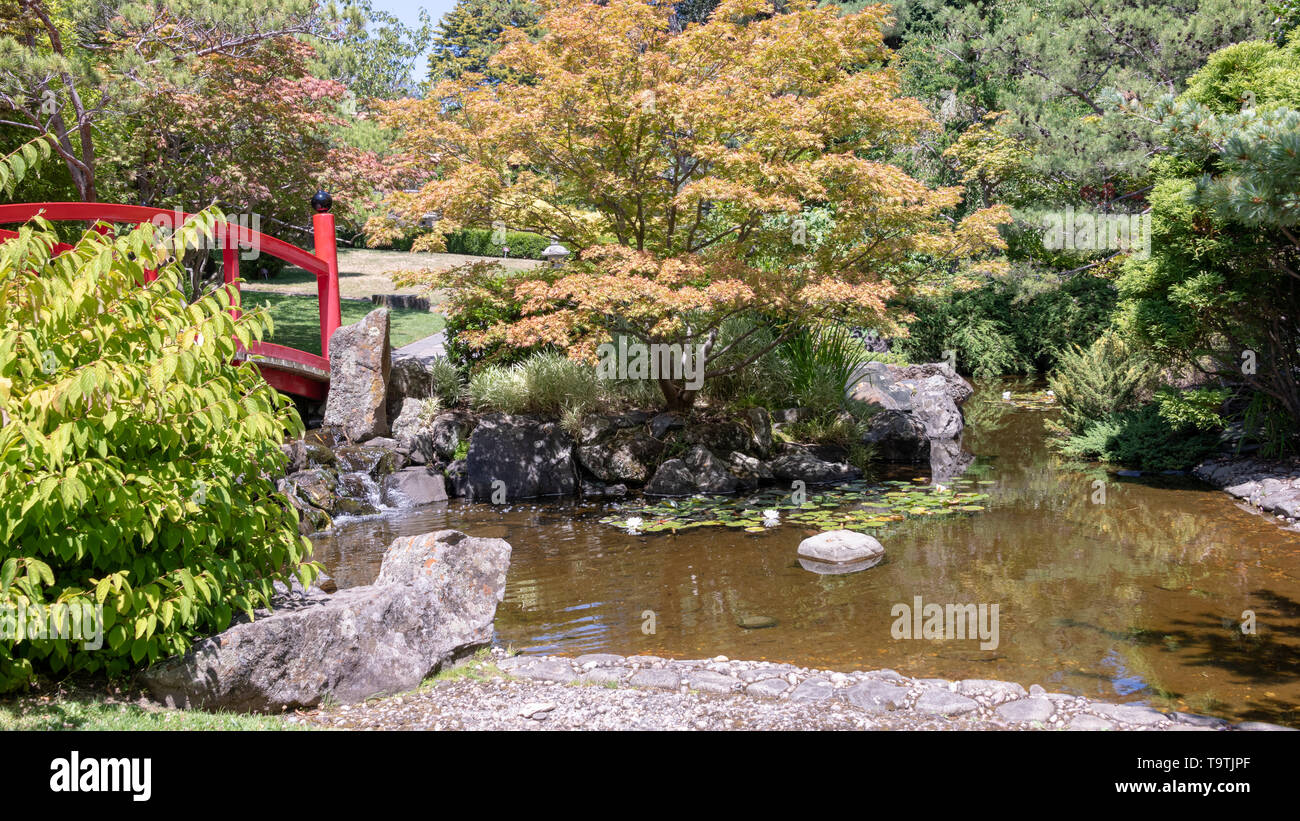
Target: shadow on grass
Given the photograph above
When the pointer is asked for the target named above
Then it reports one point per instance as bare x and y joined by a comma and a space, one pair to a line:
297, 319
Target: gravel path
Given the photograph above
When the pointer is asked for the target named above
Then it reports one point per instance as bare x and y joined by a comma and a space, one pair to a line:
610, 692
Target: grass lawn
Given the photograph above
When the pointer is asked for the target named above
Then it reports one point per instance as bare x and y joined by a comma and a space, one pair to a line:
364, 272
85, 712
297, 320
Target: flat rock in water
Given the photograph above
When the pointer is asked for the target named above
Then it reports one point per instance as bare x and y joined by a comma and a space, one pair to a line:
415, 486
839, 551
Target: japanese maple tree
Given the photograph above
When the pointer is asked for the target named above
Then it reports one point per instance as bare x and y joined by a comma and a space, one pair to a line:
739, 165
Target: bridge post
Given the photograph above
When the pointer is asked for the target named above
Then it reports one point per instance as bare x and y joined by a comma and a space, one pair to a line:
327, 288
230, 266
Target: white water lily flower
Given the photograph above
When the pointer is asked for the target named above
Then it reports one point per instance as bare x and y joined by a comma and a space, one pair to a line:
1006, 395
634, 523
771, 517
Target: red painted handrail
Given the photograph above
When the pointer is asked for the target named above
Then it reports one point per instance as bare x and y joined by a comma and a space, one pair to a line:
232, 236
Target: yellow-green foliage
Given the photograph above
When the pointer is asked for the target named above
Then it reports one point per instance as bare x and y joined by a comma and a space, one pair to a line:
1096, 382
136, 461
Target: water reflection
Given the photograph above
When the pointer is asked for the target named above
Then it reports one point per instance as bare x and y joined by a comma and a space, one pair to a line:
1137, 598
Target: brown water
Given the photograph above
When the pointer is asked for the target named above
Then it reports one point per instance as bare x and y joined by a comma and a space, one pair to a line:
1136, 599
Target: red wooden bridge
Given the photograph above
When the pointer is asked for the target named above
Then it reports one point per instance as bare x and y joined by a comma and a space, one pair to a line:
287, 369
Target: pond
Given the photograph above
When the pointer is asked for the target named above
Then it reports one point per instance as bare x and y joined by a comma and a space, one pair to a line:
1136, 593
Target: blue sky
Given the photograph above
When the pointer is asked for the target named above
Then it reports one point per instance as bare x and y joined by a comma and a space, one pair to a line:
407, 11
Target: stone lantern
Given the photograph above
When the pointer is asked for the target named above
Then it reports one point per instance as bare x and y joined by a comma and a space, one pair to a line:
555, 253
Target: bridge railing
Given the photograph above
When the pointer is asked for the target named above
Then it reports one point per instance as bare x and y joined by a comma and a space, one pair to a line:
286, 368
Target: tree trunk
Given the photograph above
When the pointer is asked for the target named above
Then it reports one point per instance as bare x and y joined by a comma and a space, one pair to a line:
677, 398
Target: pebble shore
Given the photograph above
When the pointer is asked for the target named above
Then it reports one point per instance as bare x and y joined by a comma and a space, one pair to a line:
604, 691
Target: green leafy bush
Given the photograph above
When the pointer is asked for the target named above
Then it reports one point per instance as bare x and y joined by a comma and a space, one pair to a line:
472, 309
1009, 326
1099, 382
764, 382
1220, 288
136, 462
478, 242
1143, 439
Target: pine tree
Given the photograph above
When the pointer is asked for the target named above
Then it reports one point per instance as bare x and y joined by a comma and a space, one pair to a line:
469, 35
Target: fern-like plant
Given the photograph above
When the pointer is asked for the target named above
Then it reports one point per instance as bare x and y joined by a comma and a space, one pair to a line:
1099, 381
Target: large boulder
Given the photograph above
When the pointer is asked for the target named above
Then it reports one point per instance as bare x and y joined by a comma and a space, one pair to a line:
620, 455
878, 383
413, 429
532, 458
435, 600
672, 478
409, 378
948, 460
760, 428
661, 424
359, 369
415, 486
898, 436
919, 404
748, 470
449, 429
934, 407
720, 437
710, 472
957, 388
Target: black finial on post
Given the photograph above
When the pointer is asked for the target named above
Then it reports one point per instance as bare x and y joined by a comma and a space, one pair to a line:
321, 202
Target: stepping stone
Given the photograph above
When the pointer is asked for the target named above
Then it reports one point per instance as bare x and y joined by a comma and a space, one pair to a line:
814, 689
545, 670
1264, 725
1083, 721
876, 696
710, 682
1026, 710
657, 679
765, 671
1000, 690
598, 659
605, 675
945, 702
1129, 713
768, 688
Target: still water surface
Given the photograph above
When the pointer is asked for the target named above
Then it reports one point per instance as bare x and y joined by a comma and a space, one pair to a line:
1139, 598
